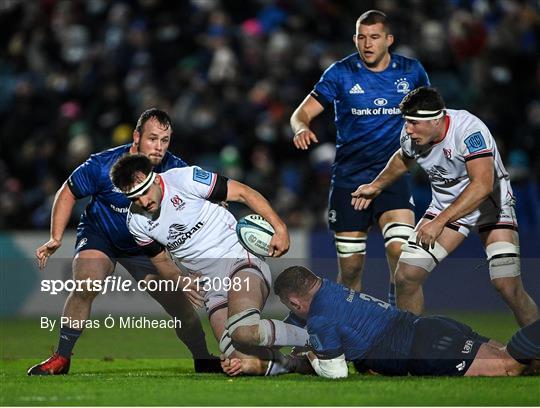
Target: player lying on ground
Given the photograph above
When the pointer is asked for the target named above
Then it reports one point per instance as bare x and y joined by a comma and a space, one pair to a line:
345, 325
176, 211
471, 191
103, 240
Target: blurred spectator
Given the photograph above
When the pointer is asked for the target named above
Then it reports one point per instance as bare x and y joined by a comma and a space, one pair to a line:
75, 75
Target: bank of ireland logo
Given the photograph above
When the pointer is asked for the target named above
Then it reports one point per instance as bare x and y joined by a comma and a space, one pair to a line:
380, 102
402, 86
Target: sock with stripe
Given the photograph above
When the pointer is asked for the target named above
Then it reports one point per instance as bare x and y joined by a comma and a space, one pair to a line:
524, 345
67, 340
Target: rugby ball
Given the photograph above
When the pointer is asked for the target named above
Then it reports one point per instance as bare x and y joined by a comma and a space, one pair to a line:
255, 234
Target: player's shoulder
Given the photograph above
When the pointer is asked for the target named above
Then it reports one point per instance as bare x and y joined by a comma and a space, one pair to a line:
188, 174
349, 63
465, 120
405, 64
135, 218
111, 155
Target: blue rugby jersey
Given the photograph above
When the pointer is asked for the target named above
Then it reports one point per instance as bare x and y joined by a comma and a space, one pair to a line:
108, 208
367, 116
342, 321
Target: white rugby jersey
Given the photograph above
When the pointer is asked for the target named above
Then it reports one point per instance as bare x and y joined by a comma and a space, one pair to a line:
467, 138
195, 231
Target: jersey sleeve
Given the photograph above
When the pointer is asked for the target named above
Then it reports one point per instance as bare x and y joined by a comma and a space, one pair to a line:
327, 89
475, 144
406, 146
201, 183
141, 237
324, 337
86, 179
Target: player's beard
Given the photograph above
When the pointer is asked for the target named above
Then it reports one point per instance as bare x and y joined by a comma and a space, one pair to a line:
154, 160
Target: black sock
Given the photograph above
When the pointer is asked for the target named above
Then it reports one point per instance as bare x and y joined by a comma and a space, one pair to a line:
392, 294
524, 345
195, 342
67, 340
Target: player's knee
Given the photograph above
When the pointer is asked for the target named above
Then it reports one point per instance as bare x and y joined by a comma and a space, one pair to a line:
396, 234
245, 336
393, 250
349, 246
417, 256
243, 327
504, 262
84, 290
407, 277
508, 288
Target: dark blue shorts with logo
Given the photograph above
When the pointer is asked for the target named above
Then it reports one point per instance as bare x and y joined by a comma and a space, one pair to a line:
135, 262
342, 217
443, 347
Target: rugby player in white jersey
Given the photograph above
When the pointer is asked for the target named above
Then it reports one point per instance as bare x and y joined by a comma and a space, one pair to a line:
178, 212
470, 191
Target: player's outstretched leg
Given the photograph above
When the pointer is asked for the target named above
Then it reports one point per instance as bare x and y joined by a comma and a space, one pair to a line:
88, 264
191, 333
252, 335
396, 227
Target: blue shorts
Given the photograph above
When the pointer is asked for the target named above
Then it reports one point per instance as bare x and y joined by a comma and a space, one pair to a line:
342, 217
135, 262
443, 346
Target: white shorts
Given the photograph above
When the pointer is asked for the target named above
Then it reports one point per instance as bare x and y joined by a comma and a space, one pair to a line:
221, 279
488, 217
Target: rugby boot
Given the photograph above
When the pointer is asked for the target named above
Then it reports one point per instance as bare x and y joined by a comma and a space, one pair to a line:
54, 365
208, 365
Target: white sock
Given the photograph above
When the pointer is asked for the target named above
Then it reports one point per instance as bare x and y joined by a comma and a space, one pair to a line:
278, 333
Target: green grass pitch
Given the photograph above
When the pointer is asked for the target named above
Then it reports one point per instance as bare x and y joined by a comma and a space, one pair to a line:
150, 367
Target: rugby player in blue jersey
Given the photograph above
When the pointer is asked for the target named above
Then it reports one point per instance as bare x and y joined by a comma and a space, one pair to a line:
103, 240
345, 325
365, 90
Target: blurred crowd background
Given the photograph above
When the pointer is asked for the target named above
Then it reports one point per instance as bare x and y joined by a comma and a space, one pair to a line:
75, 76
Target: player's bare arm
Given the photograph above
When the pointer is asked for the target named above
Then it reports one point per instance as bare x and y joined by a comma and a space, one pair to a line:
301, 119
64, 201
242, 193
395, 168
168, 270
481, 173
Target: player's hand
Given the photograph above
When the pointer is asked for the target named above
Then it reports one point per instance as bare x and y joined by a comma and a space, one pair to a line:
46, 250
193, 289
279, 245
364, 195
231, 366
303, 138
427, 234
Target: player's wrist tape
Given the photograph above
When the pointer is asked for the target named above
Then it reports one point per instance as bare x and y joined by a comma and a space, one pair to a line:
140, 188
300, 131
